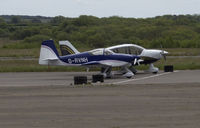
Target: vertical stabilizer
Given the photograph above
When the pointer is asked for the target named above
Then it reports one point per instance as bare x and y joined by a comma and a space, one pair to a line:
48, 52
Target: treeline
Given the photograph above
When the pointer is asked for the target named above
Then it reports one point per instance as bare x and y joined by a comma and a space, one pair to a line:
26, 18
168, 31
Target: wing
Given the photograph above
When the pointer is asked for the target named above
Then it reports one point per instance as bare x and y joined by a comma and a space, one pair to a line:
91, 63
96, 63
107, 63
114, 63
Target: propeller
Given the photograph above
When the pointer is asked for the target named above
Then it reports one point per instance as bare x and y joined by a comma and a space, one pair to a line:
163, 53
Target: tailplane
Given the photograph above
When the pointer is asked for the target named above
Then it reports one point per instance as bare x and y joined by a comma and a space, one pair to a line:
67, 48
48, 52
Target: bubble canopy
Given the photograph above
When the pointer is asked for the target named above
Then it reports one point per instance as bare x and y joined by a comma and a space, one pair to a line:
101, 51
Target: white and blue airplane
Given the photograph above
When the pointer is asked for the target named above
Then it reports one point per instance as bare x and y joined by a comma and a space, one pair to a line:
103, 58
148, 56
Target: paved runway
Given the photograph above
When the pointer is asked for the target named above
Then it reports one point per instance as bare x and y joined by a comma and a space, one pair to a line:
46, 100
66, 78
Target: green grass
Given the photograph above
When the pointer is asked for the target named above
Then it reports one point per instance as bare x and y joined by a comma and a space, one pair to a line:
20, 52
33, 66
12, 48
6, 41
180, 63
183, 51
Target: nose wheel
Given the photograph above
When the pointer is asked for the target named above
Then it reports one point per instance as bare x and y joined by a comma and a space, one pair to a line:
154, 72
152, 69
128, 73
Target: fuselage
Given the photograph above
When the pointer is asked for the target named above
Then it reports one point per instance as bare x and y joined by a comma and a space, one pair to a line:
87, 58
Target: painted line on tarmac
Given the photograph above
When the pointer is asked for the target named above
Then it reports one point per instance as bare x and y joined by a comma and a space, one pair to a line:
125, 81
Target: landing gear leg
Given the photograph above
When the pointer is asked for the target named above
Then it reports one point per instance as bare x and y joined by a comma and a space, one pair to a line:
106, 72
133, 70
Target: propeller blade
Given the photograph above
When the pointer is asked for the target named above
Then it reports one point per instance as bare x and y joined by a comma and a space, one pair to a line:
164, 53
135, 61
138, 62
164, 56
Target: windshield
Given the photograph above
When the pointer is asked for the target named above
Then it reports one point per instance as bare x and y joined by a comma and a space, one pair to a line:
101, 52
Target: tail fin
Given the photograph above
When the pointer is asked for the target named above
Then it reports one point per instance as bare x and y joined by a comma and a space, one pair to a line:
48, 52
67, 48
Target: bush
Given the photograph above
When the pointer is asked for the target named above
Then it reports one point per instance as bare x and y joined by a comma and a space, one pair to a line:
28, 43
62, 36
36, 39
3, 33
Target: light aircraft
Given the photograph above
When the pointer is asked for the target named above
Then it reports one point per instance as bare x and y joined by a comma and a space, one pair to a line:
98, 57
148, 56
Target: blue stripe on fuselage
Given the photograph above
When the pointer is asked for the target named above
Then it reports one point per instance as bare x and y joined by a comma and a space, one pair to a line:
79, 58
85, 57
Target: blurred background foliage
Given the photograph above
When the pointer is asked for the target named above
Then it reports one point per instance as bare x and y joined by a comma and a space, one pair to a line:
168, 31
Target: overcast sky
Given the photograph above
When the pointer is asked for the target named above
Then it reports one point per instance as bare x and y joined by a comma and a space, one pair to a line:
99, 8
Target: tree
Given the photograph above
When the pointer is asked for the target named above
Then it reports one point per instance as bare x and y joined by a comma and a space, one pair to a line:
35, 20
2, 20
3, 33
57, 20
84, 20
15, 19
36, 39
62, 36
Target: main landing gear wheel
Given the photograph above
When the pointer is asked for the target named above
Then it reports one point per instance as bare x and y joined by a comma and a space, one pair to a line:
154, 72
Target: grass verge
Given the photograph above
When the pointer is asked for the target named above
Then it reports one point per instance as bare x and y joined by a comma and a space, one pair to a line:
33, 66
186, 63
183, 51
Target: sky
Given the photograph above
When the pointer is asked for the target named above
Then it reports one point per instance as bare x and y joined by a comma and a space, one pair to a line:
99, 8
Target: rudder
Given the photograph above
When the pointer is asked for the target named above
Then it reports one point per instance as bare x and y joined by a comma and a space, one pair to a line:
48, 52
